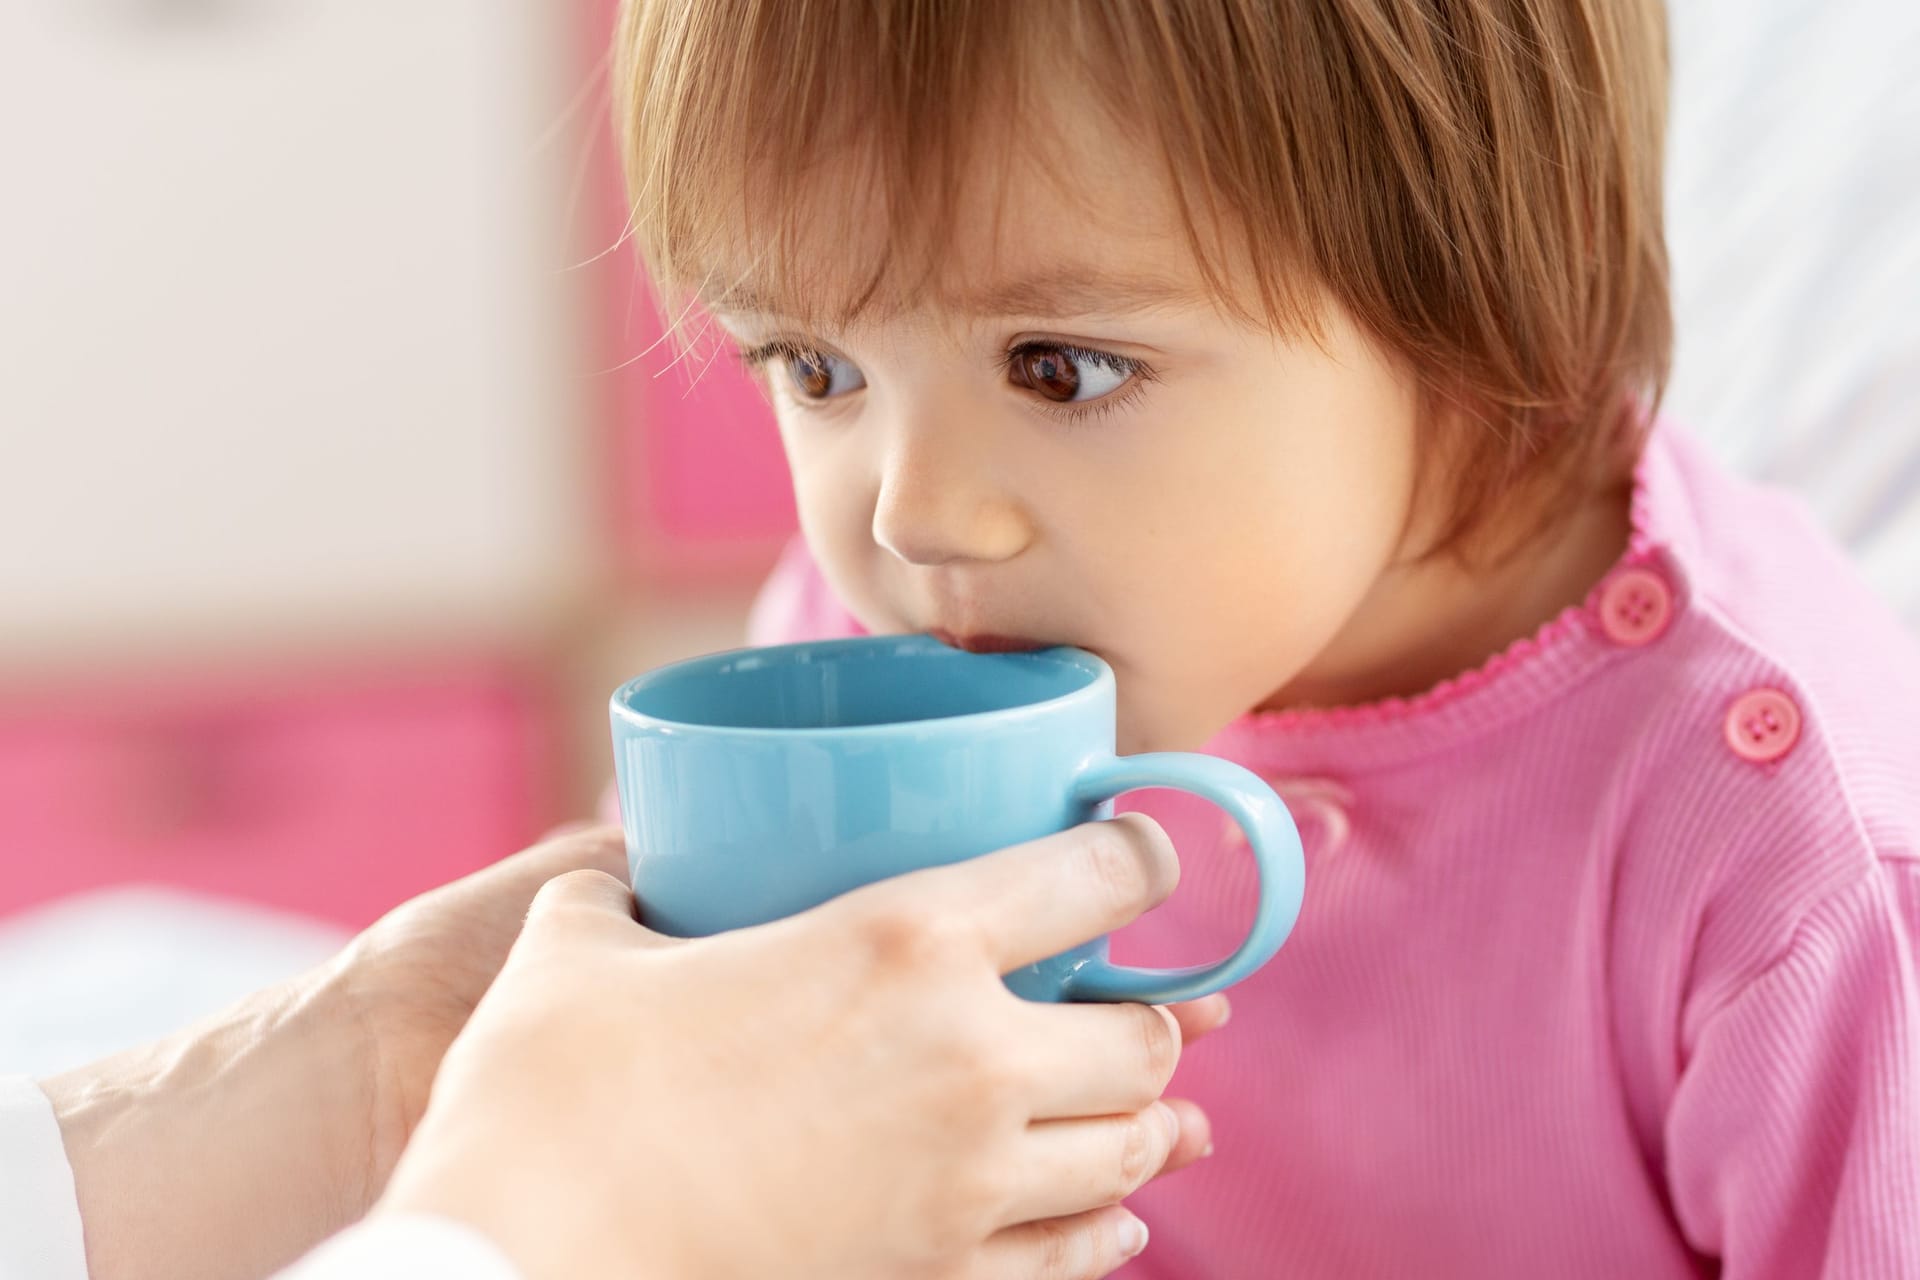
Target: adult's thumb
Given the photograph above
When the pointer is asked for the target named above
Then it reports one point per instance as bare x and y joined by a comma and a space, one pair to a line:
580, 891
588, 899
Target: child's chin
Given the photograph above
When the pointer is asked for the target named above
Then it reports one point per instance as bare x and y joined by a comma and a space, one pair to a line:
1142, 727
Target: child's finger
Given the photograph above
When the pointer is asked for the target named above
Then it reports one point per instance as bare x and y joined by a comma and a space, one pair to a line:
1198, 1017
1196, 1136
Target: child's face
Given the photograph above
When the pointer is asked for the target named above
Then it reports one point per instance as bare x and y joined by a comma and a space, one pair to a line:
1063, 441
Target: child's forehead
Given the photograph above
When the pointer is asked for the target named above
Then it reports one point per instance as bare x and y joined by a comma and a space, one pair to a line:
1042, 204
1014, 242
1061, 289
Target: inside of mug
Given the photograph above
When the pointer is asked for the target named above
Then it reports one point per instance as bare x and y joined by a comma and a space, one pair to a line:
849, 686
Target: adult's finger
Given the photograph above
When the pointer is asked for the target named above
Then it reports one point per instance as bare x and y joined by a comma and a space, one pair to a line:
580, 899
590, 845
1083, 1247
1041, 898
588, 899
1096, 1059
1071, 1166
511, 883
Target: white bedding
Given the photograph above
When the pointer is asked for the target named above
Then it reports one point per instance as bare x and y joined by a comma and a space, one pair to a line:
85, 976
1793, 216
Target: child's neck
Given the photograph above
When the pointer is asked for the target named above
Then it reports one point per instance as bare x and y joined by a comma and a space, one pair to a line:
1425, 622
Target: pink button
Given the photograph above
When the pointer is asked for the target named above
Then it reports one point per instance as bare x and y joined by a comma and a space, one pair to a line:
1762, 725
1635, 607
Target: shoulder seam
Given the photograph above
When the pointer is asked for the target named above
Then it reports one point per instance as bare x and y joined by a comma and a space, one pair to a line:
1790, 947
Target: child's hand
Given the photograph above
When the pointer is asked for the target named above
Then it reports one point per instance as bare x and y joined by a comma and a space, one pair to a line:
850, 1092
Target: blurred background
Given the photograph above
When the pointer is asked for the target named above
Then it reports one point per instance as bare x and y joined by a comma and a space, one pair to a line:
343, 475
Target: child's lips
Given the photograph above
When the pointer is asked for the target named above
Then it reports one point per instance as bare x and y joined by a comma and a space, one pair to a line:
983, 643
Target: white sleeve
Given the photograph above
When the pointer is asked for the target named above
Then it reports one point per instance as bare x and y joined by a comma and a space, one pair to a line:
39, 1209
405, 1247
40, 1237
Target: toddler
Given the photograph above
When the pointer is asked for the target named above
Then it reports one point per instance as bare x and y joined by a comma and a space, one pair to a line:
1301, 359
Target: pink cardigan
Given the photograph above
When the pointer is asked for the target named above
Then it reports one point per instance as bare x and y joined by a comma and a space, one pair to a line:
1607, 961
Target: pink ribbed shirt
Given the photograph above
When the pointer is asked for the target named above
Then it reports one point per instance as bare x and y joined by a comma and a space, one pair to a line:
1606, 967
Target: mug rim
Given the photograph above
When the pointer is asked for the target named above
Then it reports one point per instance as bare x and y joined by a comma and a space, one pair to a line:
1093, 664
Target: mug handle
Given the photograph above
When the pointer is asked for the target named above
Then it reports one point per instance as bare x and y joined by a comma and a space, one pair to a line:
1277, 855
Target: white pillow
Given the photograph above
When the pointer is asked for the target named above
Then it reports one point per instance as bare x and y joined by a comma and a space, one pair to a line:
1793, 217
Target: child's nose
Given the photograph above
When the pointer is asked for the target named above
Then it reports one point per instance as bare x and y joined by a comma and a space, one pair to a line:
945, 502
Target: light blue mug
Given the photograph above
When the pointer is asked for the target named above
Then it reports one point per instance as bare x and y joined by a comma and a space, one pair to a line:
758, 783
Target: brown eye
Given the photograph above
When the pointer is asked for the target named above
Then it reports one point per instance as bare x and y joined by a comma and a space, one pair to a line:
818, 376
1049, 370
1070, 375
810, 375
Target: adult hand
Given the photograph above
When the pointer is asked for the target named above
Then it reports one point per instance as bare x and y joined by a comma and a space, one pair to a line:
234, 1146
276, 1122
850, 1092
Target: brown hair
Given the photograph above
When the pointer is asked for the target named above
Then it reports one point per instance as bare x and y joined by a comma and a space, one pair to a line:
1477, 181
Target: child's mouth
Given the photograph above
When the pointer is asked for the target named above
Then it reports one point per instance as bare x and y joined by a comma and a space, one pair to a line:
986, 643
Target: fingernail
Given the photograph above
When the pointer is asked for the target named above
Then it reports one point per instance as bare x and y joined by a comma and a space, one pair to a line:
1133, 1237
1206, 1151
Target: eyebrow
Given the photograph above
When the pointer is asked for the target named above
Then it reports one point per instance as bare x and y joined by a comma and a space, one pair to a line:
1057, 291
1074, 291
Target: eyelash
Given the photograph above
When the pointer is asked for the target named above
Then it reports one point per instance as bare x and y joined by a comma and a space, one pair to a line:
756, 359
1137, 372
